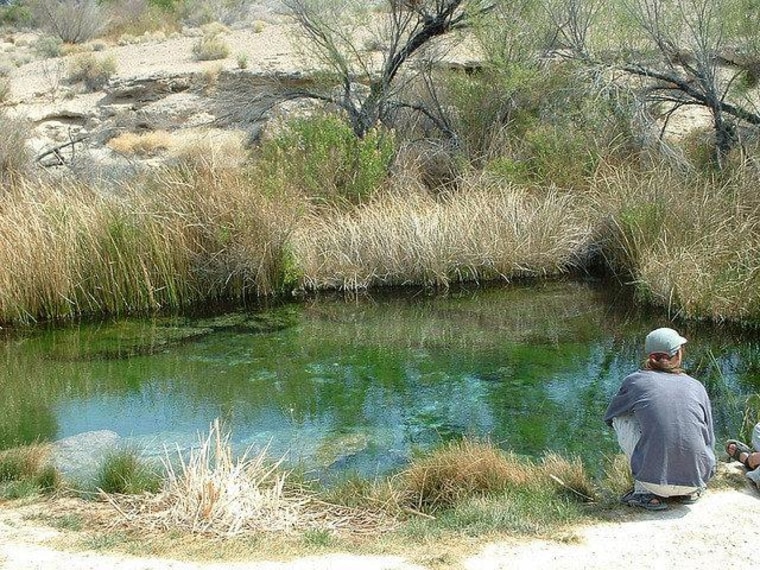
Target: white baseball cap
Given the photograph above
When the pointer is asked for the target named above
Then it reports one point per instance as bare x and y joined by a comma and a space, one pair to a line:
663, 340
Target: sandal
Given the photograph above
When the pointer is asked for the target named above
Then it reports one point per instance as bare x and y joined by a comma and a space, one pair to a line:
689, 499
648, 501
739, 448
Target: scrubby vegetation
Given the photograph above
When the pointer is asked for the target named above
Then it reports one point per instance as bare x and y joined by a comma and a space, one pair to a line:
464, 486
534, 165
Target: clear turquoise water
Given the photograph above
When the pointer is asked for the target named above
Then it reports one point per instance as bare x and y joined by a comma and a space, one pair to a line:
359, 384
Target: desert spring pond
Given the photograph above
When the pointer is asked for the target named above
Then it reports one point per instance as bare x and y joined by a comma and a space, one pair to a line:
359, 384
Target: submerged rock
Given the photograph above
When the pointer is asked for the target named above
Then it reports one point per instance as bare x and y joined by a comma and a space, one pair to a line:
79, 457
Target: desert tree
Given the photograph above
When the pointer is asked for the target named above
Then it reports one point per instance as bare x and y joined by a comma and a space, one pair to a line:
678, 48
689, 38
72, 21
368, 54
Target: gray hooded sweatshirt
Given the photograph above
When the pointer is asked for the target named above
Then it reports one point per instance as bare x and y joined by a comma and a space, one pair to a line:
677, 438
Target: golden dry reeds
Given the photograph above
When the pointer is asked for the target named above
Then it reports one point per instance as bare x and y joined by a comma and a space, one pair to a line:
141, 144
479, 233
690, 243
214, 491
194, 234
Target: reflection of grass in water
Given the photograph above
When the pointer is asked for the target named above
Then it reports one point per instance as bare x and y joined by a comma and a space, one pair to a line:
538, 315
121, 339
136, 337
26, 419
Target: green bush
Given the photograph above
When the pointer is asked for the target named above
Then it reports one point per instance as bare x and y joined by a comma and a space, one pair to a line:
549, 125
16, 16
48, 47
322, 156
122, 472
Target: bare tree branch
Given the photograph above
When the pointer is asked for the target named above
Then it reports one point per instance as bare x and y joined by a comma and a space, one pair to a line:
411, 26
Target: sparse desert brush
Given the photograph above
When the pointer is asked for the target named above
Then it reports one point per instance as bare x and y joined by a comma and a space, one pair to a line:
209, 78
210, 46
72, 21
142, 144
140, 18
127, 39
5, 88
93, 72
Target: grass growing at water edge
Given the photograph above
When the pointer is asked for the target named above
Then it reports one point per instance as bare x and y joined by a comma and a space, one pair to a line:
123, 472
27, 472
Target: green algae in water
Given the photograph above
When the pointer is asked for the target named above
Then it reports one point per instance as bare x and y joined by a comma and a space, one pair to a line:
360, 384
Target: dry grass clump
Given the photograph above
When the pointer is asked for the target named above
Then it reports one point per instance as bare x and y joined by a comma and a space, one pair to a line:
15, 158
27, 471
617, 476
476, 234
210, 149
213, 492
690, 243
210, 47
93, 72
141, 144
569, 475
460, 470
5, 88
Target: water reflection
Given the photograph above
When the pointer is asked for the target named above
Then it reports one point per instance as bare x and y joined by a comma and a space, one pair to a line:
361, 384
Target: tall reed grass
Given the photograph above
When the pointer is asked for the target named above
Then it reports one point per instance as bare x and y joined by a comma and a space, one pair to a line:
186, 236
688, 242
481, 233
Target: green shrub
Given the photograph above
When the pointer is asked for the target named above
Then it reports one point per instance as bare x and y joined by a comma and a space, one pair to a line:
26, 471
91, 71
122, 472
48, 47
16, 15
322, 156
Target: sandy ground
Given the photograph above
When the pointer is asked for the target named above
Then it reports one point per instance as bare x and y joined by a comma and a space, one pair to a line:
716, 532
